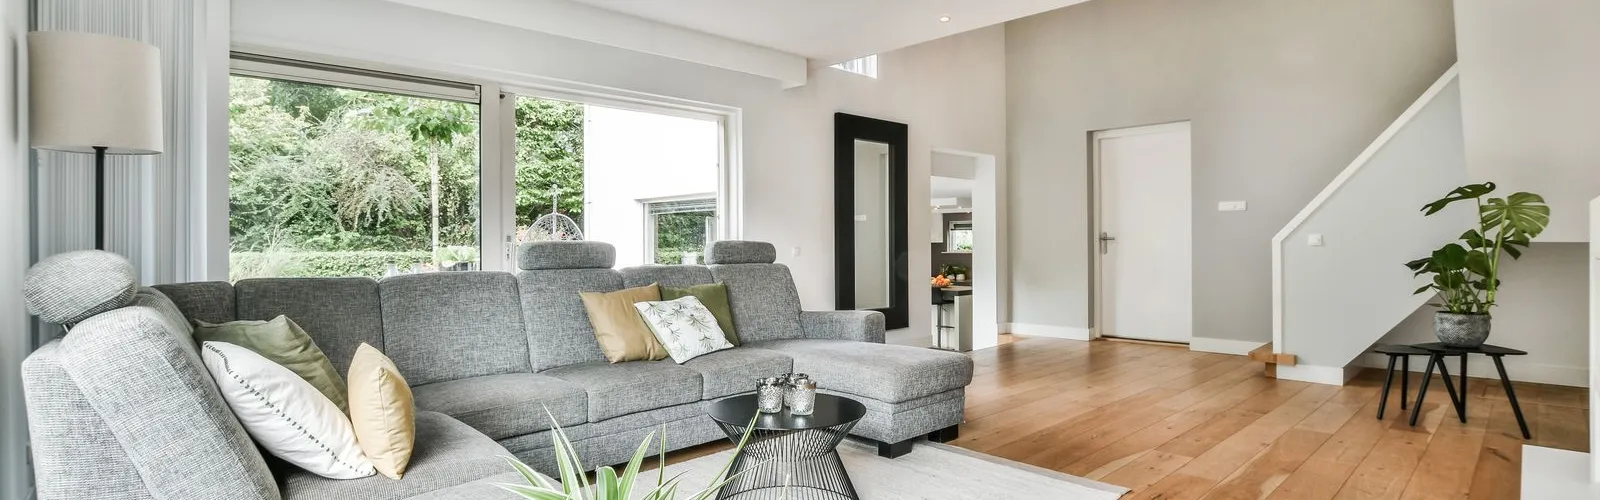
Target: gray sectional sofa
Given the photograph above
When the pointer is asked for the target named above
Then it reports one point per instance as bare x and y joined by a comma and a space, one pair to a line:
122, 407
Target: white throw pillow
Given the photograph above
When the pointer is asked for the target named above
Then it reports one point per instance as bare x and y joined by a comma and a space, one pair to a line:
285, 414
684, 326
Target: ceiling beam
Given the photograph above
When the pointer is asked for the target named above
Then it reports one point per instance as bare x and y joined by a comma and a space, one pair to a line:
592, 24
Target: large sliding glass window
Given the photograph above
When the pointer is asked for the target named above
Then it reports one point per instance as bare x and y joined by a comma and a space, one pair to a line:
338, 171
647, 182
329, 180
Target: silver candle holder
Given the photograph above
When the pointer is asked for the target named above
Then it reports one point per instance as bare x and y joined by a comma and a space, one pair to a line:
770, 394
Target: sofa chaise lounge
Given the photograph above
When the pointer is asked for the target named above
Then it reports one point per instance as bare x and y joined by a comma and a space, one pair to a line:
122, 407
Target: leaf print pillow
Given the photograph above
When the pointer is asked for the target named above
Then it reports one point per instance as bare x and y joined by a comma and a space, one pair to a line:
684, 326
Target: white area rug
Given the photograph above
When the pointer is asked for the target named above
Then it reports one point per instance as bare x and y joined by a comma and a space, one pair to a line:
933, 471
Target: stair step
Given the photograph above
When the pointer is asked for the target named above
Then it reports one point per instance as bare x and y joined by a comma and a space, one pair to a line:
1271, 359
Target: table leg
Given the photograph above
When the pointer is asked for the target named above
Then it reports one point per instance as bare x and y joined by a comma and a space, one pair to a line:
1455, 402
1422, 392
1405, 379
1512, 395
1388, 379
1464, 387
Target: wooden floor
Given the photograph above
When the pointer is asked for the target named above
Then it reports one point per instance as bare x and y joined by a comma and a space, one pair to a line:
1174, 424
1170, 423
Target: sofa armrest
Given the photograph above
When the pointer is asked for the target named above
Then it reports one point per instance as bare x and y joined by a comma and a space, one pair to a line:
860, 326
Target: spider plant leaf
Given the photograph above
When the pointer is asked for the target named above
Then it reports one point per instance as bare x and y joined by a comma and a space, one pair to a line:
1423, 289
630, 474
528, 474
606, 484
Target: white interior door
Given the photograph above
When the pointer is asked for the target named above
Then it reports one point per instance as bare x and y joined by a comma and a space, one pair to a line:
1144, 233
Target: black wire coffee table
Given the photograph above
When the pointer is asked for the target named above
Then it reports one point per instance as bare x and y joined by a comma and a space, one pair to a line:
797, 452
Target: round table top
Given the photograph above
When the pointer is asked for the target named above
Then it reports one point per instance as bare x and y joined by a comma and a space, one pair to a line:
830, 411
1486, 349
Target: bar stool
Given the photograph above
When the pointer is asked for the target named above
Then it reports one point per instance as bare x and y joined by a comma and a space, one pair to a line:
1402, 354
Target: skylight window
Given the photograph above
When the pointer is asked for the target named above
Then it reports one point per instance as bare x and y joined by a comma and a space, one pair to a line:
866, 66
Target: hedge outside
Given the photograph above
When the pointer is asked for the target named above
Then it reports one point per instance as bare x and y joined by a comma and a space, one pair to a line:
243, 265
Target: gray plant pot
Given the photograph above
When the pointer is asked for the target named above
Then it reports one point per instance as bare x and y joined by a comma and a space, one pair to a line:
1461, 330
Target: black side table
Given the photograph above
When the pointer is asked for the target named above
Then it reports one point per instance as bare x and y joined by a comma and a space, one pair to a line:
1437, 352
788, 450
1403, 354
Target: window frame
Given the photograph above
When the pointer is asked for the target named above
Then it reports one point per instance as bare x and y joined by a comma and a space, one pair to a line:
496, 99
950, 240
650, 220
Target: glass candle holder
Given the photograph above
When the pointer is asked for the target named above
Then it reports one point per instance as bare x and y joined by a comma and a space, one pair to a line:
770, 394
803, 400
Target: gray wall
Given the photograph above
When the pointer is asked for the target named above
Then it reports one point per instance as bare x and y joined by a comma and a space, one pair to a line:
941, 258
1282, 96
1543, 308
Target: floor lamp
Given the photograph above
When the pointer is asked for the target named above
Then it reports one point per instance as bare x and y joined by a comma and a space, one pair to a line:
95, 94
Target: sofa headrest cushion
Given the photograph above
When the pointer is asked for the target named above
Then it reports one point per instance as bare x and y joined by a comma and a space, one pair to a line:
70, 287
566, 255
741, 252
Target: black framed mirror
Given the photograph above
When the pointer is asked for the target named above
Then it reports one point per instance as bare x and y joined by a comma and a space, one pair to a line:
870, 209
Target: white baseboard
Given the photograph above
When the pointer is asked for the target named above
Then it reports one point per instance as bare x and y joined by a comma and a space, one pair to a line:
1058, 332
1481, 367
1223, 346
1326, 375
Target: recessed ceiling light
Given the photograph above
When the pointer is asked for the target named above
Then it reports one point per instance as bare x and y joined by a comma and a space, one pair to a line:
944, 19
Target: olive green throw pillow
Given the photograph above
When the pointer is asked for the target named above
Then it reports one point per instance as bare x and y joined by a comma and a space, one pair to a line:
715, 297
284, 343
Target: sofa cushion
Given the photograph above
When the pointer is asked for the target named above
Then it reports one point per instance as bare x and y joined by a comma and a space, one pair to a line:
765, 304
208, 301
453, 325
714, 296
675, 276
483, 489
140, 370
734, 371
558, 325
619, 389
339, 313
448, 454
622, 334
545, 255
69, 287
285, 343
506, 405
741, 252
887, 373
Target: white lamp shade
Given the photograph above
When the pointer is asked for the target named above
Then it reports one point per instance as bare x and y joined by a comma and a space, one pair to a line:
91, 90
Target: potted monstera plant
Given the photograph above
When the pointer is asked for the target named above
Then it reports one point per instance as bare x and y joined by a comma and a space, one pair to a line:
1466, 274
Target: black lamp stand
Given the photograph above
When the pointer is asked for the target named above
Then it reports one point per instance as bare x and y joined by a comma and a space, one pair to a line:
99, 197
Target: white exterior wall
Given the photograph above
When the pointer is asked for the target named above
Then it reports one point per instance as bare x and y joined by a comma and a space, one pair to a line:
630, 157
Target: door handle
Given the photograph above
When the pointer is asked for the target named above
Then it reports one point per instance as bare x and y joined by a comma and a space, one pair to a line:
1105, 242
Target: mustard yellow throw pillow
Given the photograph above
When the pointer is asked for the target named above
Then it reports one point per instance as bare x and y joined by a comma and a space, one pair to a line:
622, 334
381, 411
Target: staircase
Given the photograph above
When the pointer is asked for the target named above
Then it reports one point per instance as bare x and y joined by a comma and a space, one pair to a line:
1337, 277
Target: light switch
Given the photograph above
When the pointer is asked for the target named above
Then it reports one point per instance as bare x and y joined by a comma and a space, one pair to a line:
794, 251
861, 217
1231, 206
1314, 240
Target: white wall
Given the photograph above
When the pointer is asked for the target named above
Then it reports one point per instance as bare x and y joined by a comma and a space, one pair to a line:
1340, 297
1543, 308
950, 91
629, 156
1530, 79
15, 340
1282, 96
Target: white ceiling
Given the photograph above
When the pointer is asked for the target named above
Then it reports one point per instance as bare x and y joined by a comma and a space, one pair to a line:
831, 31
